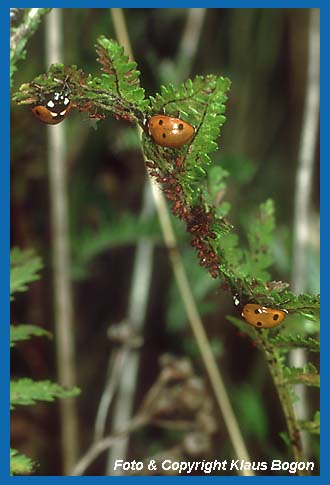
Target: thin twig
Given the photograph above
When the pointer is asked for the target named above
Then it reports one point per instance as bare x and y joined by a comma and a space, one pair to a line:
97, 448
142, 418
63, 301
115, 370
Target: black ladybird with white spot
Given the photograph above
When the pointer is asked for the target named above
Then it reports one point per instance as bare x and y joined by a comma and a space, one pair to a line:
54, 108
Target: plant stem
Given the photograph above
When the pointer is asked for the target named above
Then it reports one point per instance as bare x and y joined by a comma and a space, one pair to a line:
21, 35
190, 41
284, 392
138, 298
63, 301
303, 188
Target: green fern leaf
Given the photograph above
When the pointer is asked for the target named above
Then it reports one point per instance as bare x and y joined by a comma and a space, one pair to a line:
313, 426
24, 268
288, 342
26, 391
117, 91
121, 76
116, 231
20, 464
43, 83
312, 380
307, 375
24, 332
200, 102
305, 304
242, 326
260, 237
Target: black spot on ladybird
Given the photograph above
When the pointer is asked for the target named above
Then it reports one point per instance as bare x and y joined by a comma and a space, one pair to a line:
259, 324
275, 317
160, 122
180, 126
164, 135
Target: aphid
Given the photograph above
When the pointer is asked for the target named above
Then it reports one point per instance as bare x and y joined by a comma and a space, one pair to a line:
170, 132
261, 316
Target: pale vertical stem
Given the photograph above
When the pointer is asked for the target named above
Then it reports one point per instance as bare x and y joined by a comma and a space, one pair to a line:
63, 302
137, 307
138, 299
303, 188
190, 40
306, 155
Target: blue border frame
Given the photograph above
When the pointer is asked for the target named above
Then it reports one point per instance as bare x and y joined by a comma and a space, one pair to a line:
5, 221
4, 245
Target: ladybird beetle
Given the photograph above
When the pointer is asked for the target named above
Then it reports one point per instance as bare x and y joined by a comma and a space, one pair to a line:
261, 316
54, 108
170, 132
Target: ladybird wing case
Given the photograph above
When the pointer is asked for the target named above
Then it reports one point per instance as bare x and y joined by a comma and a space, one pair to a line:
54, 108
262, 317
170, 132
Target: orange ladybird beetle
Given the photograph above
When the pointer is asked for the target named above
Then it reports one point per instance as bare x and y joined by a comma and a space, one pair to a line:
261, 316
54, 108
170, 132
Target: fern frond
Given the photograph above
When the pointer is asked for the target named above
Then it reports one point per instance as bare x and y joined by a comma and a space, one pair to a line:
288, 342
260, 236
24, 332
242, 326
200, 102
121, 75
25, 391
307, 375
181, 171
24, 268
313, 426
305, 304
118, 91
121, 231
20, 464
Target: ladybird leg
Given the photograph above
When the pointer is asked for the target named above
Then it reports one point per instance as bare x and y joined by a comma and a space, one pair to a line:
145, 127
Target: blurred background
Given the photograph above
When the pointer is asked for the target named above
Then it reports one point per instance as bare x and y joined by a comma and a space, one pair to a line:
265, 54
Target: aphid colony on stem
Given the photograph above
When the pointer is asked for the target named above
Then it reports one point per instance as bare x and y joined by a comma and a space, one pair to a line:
197, 219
